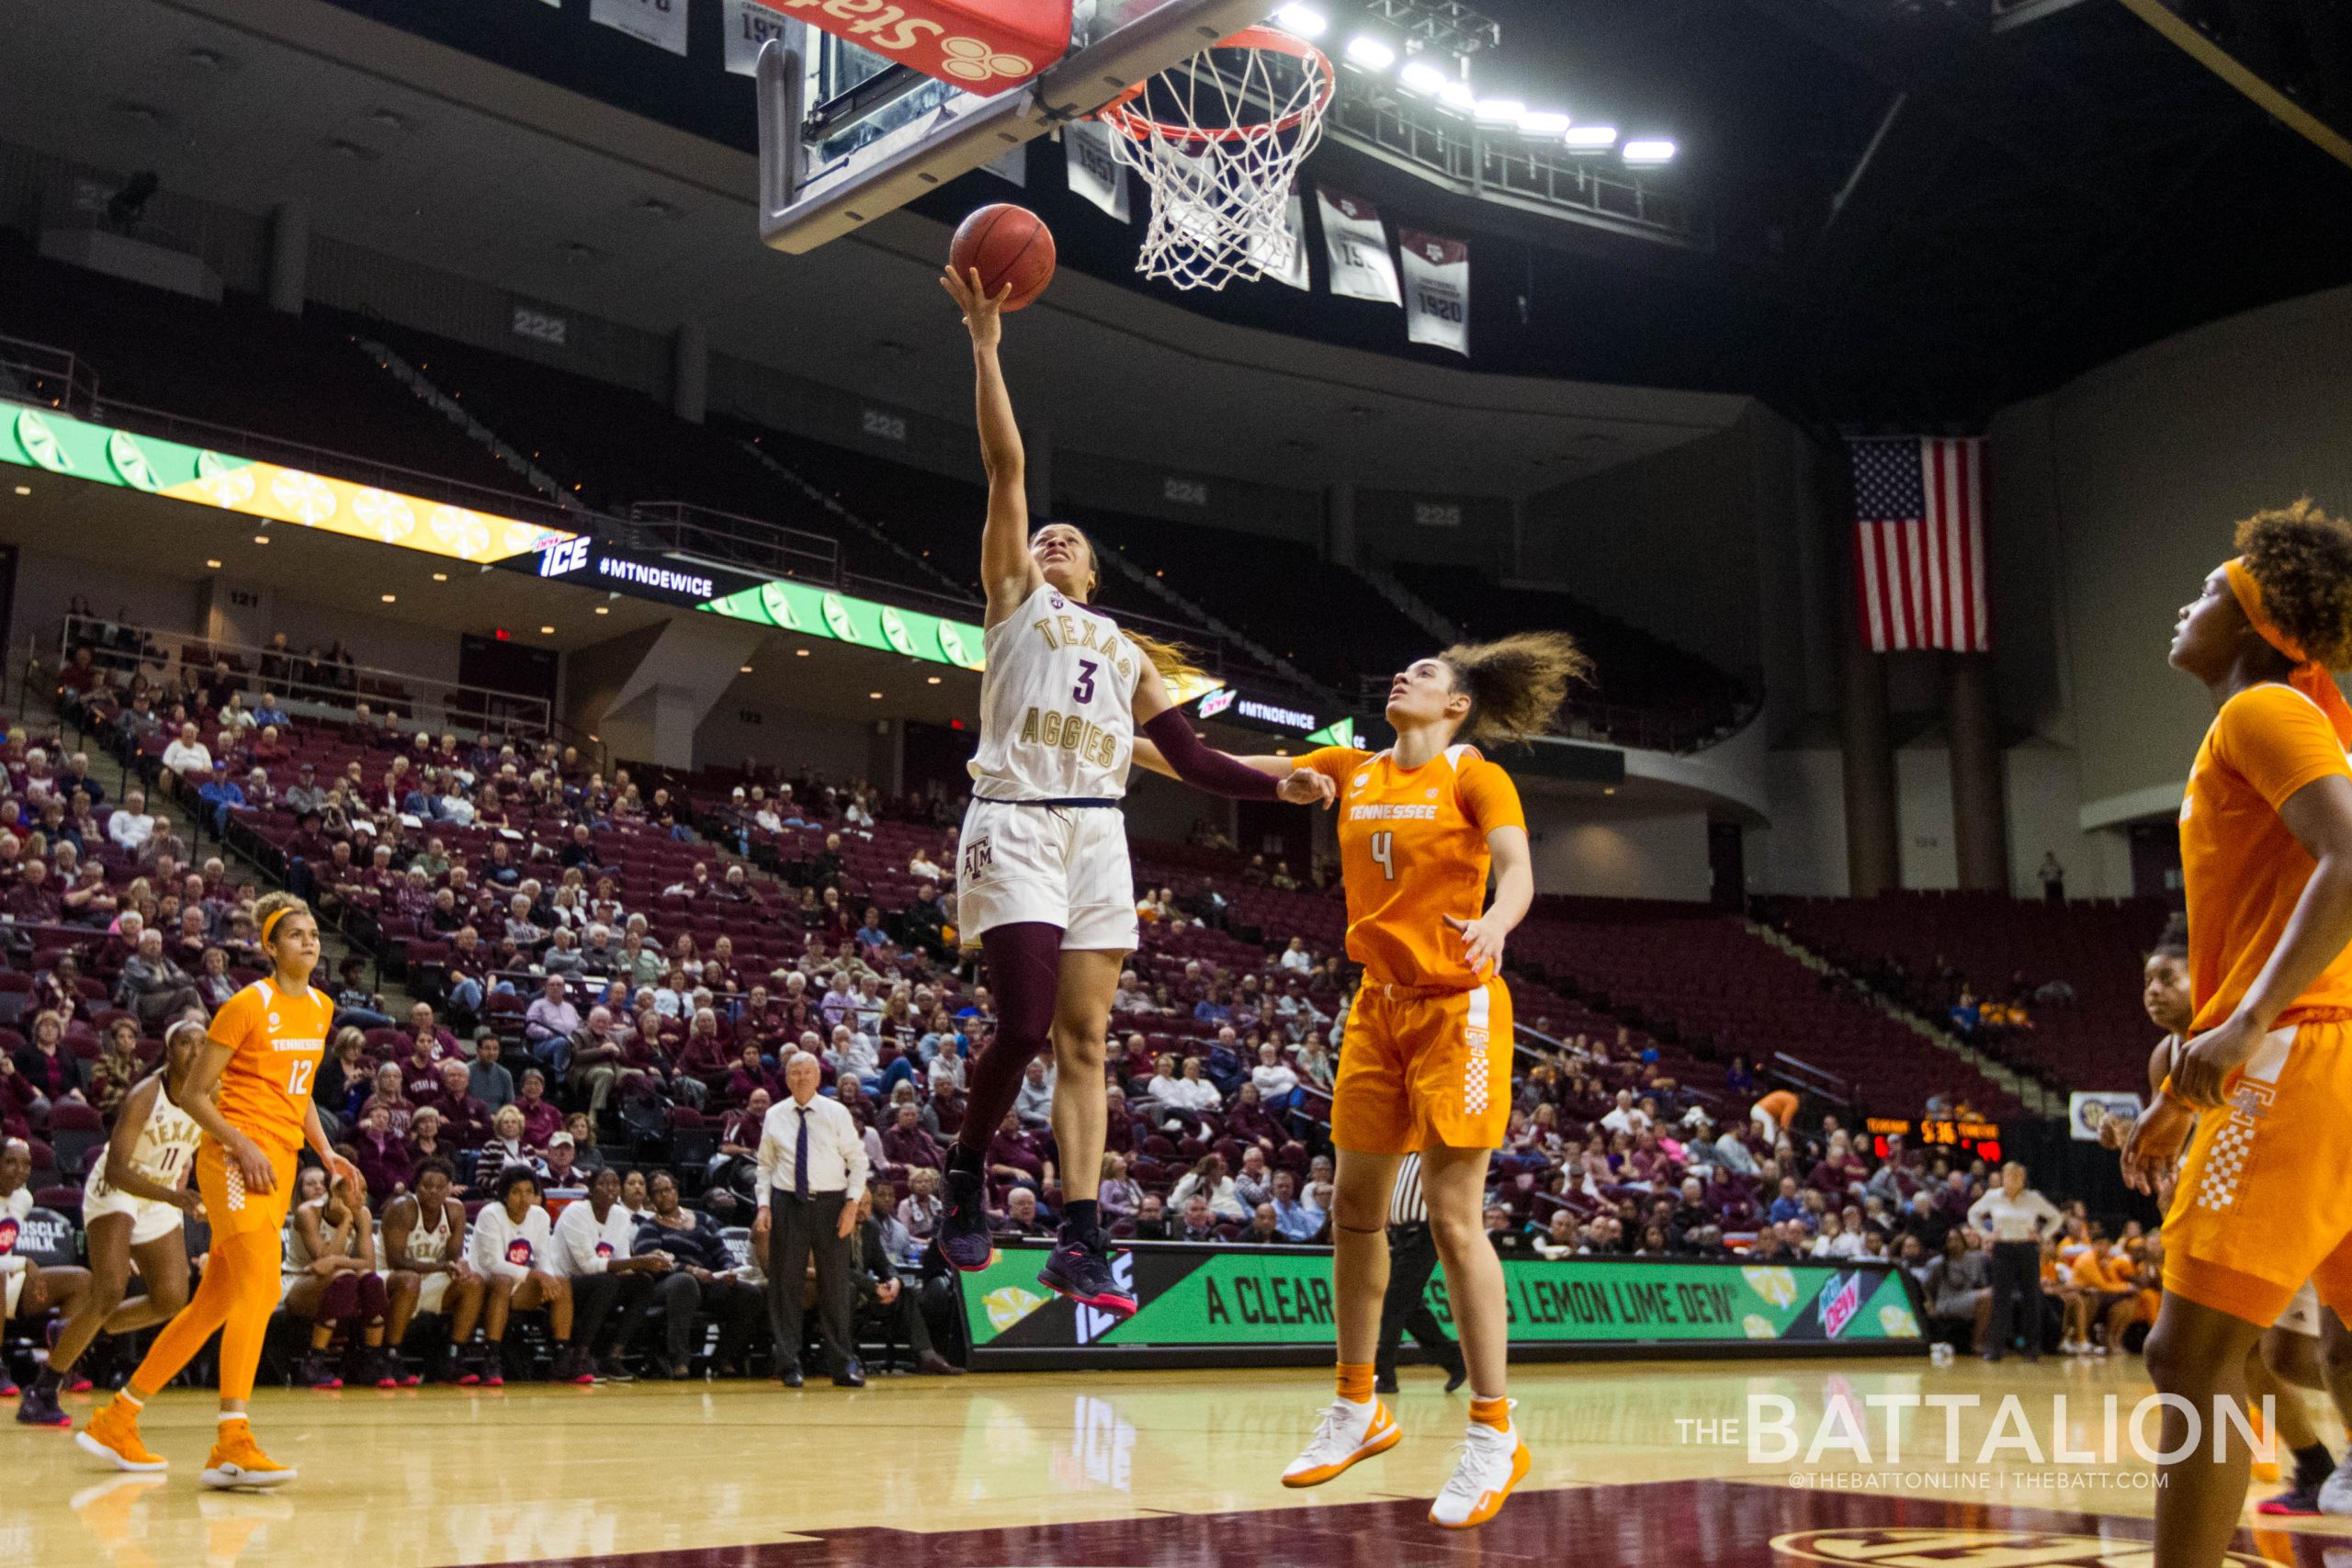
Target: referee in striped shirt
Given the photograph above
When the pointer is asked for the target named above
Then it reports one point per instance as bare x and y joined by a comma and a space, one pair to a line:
1412, 1259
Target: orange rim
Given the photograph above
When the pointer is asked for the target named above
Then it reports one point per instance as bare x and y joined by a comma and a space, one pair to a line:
1143, 127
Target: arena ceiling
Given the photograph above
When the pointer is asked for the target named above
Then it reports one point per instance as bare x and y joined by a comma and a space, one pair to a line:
1922, 213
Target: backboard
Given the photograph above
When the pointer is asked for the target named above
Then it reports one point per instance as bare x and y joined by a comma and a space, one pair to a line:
846, 135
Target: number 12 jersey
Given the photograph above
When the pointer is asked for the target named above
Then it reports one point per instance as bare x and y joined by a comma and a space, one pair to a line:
274, 1041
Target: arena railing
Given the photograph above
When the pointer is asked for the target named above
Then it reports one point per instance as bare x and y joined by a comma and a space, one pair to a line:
423, 701
40, 373
1807, 1078
729, 538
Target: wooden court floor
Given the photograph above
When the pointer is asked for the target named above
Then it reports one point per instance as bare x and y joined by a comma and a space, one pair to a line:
1144, 1469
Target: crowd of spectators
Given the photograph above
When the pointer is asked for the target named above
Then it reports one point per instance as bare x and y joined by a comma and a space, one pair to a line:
583, 1012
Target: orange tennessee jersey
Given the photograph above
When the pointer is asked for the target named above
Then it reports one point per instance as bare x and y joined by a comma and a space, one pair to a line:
1413, 850
275, 1042
2243, 871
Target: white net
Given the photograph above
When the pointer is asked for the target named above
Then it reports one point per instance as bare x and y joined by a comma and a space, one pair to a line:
1219, 139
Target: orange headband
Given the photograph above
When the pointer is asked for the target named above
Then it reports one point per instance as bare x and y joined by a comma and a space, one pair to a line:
2310, 677
272, 917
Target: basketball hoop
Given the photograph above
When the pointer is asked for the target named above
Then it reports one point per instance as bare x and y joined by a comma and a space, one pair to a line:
1219, 139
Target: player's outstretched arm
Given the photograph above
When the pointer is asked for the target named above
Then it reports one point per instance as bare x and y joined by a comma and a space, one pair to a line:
1179, 754
1007, 569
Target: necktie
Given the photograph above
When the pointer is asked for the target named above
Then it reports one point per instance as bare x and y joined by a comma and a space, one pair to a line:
801, 1155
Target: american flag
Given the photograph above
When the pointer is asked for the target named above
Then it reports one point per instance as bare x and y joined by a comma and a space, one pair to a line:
1919, 542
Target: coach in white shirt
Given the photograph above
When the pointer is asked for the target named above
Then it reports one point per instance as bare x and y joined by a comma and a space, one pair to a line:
812, 1172
591, 1247
2016, 1220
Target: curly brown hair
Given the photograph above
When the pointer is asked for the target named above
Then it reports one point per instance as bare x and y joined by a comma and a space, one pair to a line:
1515, 683
2302, 557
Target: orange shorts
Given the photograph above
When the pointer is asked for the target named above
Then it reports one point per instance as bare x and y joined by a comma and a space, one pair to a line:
2265, 1198
1419, 1067
228, 1206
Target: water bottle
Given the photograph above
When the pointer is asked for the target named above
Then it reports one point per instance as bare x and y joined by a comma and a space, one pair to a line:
1940, 1354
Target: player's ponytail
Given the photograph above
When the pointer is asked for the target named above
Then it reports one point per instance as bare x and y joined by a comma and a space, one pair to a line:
1515, 684
1172, 660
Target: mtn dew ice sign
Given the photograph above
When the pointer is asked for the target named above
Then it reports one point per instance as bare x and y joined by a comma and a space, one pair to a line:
1248, 1304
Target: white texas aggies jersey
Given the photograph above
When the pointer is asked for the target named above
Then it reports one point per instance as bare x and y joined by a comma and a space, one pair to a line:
1056, 704
166, 1150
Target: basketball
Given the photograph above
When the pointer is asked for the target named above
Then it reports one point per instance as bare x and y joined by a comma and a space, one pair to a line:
1008, 244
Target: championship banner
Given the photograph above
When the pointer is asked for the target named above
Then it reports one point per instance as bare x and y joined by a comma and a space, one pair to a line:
1361, 267
2086, 1111
1256, 1302
1292, 267
1093, 173
662, 23
981, 45
749, 24
1437, 290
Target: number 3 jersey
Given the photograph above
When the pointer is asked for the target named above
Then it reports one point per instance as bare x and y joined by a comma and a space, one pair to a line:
1413, 850
274, 1041
1056, 704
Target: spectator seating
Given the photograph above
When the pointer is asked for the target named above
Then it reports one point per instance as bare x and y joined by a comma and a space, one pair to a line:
1925, 946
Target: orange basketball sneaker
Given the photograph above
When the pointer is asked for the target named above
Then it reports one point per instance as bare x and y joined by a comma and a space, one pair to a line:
1493, 1462
113, 1436
237, 1459
1347, 1432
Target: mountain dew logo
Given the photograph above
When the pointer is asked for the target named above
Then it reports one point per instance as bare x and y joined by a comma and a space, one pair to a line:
894, 632
836, 615
1840, 1299
951, 644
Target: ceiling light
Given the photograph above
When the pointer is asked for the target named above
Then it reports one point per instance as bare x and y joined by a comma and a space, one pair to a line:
213, 564
1304, 20
1459, 96
931, 680
23, 489
261, 539
1609, 789
1499, 111
440, 577
1370, 52
801, 651
392, 598
1542, 122
1591, 138
546, 631
1420, 76
604, 609
1653, 150
875, 695
746, 669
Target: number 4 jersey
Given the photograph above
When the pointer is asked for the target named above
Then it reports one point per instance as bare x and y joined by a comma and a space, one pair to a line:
1413, 850
274, 1041
1057, 705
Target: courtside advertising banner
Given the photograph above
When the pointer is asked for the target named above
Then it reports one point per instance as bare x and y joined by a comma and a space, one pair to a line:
1254, 1302
1093, 173
662, 23
1436, 289
1361, 267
